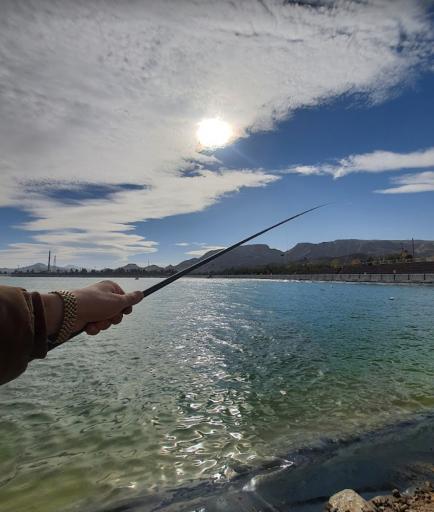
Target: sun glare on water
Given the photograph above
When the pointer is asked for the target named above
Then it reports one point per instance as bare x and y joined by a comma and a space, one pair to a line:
214, 133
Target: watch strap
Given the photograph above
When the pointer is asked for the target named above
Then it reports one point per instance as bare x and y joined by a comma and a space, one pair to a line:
69, 316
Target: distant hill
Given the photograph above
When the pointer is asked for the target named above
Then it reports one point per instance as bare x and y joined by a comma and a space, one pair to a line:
245, 256
155, 268
133, 267
36, 267
130, 267
341, 248
260, 255
39, 267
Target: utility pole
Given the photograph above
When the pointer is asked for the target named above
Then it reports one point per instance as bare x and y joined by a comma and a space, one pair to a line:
49, 261
412, 245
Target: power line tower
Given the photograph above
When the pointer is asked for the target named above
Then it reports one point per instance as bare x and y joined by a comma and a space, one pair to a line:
49, 261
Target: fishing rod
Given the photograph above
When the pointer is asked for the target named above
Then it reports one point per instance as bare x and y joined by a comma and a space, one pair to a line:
171, 279
175, 277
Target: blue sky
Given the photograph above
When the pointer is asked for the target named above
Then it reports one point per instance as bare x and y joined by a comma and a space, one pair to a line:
100, 164
402, 124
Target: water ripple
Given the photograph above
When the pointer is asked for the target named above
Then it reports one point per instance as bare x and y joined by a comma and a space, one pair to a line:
210, 379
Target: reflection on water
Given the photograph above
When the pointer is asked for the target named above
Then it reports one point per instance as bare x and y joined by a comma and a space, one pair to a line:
208, 379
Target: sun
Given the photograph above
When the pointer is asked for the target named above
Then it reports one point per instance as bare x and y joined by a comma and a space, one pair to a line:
214, 133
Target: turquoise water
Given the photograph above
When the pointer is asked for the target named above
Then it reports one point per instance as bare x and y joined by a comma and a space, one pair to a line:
208, 379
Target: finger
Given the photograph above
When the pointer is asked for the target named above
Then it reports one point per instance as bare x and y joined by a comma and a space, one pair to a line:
103, 325
117, 289
127, 310
111, 286
117, 319
132, 298
91, 329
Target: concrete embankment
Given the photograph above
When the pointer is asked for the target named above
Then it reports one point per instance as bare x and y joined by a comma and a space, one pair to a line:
348, 278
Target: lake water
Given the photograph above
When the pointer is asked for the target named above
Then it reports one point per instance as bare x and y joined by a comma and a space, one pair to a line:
207, 380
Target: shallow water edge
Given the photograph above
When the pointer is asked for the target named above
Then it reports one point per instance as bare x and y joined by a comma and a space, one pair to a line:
396, 456
214, 381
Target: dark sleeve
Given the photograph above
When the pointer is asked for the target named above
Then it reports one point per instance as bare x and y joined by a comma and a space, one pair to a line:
23, 332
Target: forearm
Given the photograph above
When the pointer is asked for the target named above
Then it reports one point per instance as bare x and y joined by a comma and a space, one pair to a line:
23, 333
53, 312
28, 320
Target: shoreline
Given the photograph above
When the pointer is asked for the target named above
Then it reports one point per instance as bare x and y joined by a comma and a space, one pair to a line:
335, 278
373, 463
409, 278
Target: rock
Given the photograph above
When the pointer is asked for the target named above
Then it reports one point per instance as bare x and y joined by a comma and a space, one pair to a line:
396, 493
349, 501
380, 501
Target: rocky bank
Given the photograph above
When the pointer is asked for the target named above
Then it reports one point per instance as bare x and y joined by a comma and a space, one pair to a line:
421, 499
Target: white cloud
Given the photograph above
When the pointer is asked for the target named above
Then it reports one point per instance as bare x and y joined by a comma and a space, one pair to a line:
411, 183
112, 93
106, 226
205, 248
169, 195
377, 161
182, 244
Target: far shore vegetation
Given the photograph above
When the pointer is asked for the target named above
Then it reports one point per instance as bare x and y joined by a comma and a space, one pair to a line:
400, 263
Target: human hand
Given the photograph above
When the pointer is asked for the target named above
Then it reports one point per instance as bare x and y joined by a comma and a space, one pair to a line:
99, 306
102, 305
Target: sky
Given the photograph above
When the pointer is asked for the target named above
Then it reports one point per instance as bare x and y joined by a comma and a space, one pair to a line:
100, 103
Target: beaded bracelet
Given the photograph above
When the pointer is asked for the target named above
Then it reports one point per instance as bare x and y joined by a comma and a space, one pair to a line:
69, 316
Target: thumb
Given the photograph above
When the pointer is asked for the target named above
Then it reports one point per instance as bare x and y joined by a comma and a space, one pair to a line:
132, 298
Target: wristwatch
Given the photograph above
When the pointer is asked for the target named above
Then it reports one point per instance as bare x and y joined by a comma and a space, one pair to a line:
69, 316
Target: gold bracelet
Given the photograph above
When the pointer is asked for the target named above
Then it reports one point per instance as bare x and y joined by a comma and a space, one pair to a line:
69, 316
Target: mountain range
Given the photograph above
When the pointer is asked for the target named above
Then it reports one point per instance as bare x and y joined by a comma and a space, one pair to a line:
38, 267
258, 255
347, 247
